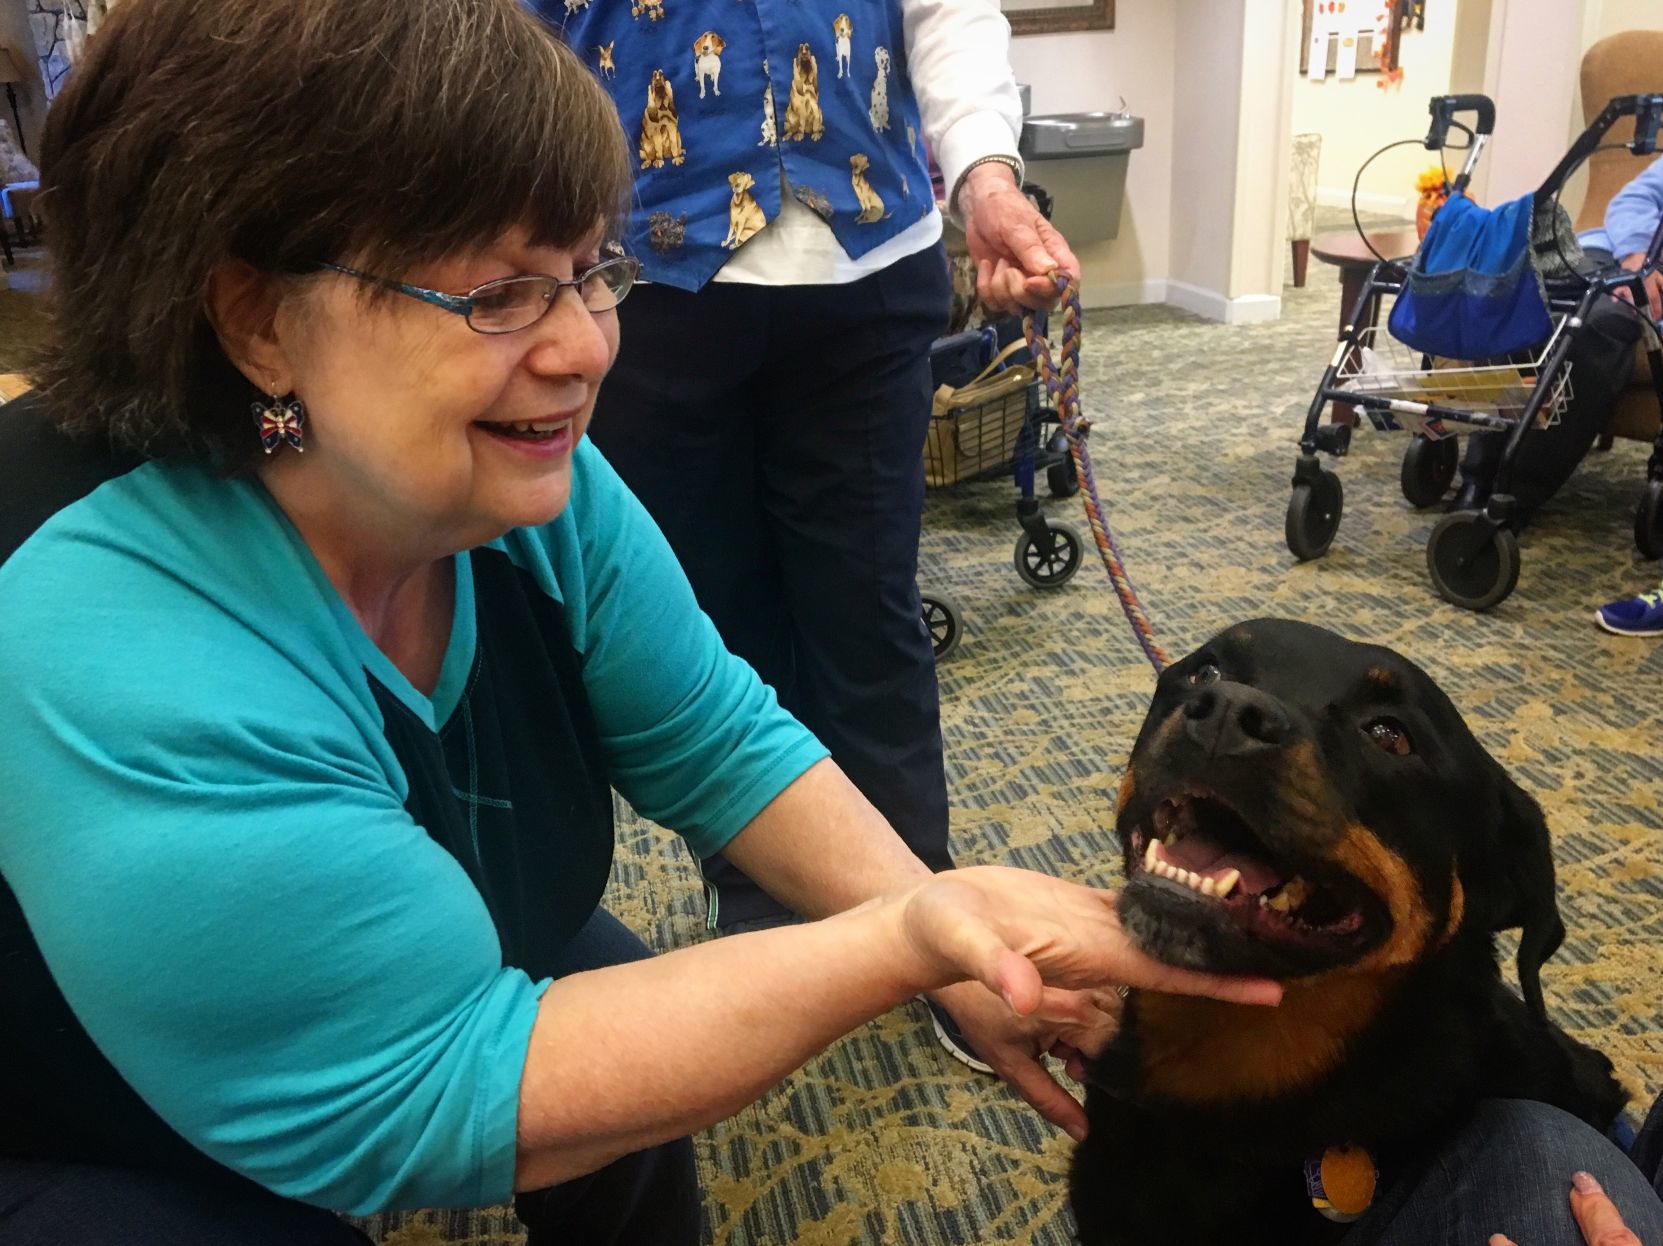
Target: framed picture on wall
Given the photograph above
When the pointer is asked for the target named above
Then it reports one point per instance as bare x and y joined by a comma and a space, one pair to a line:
1350, 32
1046, 17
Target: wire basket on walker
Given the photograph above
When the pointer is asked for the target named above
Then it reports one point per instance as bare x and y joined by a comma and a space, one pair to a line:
989, 419
1478, 343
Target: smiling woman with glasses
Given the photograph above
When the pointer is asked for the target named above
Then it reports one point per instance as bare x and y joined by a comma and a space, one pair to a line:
326, 636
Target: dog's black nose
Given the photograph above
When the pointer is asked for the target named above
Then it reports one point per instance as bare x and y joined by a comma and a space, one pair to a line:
1233, 720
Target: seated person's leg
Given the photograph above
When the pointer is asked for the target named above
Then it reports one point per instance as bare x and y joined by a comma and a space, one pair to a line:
47, 1204
1509, 1171
1601, 360
1648, 1147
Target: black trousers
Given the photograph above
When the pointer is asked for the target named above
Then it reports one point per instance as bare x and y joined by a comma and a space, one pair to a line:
648, 1199
776, 434
1601, 359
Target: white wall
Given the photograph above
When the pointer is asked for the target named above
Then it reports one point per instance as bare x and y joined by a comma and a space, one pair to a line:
1535, 55
1356, 117
1091, 70
1206, 196
1609, 17
1204, 167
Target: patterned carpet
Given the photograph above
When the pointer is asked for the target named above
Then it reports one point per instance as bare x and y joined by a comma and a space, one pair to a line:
883, 1138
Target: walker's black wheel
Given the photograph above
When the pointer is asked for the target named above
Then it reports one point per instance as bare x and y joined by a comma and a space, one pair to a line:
1051, 570
1474, 564
1062, 479
944, 621
1428, 469
1314, 516
1648, 520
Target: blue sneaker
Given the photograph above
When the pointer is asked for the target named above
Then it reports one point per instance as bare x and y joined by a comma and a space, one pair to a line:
1633, 616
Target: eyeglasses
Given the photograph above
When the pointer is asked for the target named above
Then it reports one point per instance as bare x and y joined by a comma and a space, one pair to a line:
510, 304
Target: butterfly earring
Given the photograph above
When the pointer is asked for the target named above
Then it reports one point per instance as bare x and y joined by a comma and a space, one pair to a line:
281, 421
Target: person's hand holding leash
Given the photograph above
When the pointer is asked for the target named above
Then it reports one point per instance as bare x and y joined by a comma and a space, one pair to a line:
1596, 1215
1014, 246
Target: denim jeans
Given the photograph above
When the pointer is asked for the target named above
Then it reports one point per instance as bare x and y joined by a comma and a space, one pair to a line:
1509, 1171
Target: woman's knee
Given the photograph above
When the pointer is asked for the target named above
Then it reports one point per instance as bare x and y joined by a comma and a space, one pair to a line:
1516, 1158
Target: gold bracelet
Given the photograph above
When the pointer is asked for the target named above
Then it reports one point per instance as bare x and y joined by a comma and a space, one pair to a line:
1010, 162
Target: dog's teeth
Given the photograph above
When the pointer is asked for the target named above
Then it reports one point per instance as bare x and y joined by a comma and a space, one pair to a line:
1227, 881
1298, 891
1263, 903
1152, 854
1208, 887
1280, 901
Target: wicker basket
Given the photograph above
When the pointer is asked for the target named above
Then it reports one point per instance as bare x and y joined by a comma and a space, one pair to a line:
974, 428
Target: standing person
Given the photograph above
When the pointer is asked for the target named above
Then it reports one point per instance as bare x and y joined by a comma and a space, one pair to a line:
773, 391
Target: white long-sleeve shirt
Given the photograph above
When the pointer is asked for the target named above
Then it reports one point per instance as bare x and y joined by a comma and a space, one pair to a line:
958, 58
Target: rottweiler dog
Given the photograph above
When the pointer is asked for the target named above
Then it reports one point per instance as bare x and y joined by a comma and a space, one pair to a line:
1313, 810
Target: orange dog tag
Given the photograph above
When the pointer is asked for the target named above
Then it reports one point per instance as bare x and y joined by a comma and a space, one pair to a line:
1342, 1183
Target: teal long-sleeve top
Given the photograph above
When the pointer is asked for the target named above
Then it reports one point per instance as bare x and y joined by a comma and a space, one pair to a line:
275, 911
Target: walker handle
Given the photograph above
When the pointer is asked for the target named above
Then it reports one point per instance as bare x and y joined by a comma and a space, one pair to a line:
1443, 109
1648, 113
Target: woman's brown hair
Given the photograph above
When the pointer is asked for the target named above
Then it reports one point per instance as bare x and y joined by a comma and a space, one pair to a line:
285, 133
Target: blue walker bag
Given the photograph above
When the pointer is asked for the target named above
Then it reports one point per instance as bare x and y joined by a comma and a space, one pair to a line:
1472, 291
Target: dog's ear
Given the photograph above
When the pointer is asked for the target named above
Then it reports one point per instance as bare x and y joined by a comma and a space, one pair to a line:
1510, 884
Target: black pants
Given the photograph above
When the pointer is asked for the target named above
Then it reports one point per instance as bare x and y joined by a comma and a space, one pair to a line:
776, 434
1601, 358
648, 1199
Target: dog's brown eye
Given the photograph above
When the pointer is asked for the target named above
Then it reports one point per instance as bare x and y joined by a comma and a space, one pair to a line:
1206, 673
1391, 735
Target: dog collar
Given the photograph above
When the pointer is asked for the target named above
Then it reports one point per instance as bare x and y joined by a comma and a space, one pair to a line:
1341, 1183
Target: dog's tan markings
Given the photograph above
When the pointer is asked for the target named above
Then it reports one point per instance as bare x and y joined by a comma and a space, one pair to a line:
1457, 907
1203, 1051
1166, 734
1361, 854
1128, 785
1380, 675
1305, 793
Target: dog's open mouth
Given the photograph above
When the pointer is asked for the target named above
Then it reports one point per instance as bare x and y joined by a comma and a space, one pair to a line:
1200, 862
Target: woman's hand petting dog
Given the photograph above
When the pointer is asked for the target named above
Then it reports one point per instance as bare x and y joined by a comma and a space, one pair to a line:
1596, 1215
1053, 952
1014, 246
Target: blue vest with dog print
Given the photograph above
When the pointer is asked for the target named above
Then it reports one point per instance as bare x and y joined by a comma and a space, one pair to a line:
725, 102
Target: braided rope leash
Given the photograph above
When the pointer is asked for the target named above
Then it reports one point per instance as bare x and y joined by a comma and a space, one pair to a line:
1062, 383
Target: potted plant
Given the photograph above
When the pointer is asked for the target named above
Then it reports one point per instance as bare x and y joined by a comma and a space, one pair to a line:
1433, 188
